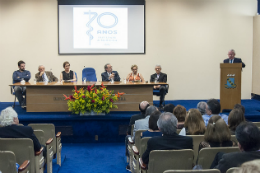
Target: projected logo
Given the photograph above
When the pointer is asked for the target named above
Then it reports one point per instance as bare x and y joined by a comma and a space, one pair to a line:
104, 28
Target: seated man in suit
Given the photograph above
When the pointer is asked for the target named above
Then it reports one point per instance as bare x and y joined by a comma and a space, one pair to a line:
109, 74
17, 77
170, 140
9, 121
248, 137
159, 77
231, 58
45, 76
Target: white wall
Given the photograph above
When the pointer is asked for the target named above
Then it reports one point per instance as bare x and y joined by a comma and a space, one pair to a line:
256, 56
189, 38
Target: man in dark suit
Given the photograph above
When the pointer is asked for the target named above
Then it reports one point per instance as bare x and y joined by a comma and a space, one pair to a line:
45, 76
109, 74
232, 59
10, 129
248, 137
170, 140
159, 77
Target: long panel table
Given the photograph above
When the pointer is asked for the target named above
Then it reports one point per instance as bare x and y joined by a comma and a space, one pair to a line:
48, 97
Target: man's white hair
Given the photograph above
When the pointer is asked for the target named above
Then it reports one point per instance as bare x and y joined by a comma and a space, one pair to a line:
40, 66
232, 50
7, 116
157, 66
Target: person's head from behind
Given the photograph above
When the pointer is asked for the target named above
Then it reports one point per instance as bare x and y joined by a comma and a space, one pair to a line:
8, 117
239, 106
213, 107
21, 65
217, 130
249, 167
236, 116
153, 120
194, 122
66, 66
201, 106
108, 68
248, 136
143, 106
168, 108
180, 113
134, 69
150, 110
167, 123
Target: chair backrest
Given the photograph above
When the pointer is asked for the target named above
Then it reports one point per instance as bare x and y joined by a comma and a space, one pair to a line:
197, 139
76, 76
132, 130
233, 138
207, 155
40, 136
138, 138
143, 145
49, 132
161, 160
178, 131
7, 162
22, 148
193, 171
231, 170
257, 124
89, 73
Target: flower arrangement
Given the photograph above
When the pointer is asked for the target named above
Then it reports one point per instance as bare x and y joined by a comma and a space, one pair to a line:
97, 99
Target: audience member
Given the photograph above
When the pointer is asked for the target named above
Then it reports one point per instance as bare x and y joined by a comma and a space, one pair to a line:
18, 75
153, 128
9, 120
158, 76
236, 116
109, 74
248, 136
67, 74
194, 124
134, 76
249, 167
201, 106
143, 124
169, 108
217, 134
213, 108
45, 76
180, 113
170, 140
239, 106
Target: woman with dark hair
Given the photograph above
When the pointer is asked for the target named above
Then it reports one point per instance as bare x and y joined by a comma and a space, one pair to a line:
217, 134
67, 74
180, 113
236, 116
194, 124
153, 128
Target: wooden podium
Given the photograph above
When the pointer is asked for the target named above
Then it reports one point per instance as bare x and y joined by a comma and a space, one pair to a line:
230, 85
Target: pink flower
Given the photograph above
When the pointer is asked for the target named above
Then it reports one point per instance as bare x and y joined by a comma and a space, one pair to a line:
111, 100
83, 96
93, 101
89, 89
71, 97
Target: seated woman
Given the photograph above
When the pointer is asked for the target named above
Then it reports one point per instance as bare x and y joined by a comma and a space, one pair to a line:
236, 116
194, 124
180, 113
217, 134
153, 128
67, 74
134, 76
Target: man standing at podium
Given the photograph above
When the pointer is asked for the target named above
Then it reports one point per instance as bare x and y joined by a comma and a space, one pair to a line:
231, 58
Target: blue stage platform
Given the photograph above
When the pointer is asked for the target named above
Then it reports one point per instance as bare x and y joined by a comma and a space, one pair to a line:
108, 128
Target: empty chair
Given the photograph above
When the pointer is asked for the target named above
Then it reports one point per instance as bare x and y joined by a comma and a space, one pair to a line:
161, 160
257, 124
90, 74
197, 139
193, 171
49, 132
207, 155
8, 163
231, 170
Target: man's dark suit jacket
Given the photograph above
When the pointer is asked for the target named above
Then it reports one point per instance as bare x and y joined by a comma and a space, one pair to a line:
236, 60
132, 121
167, 142
49, 75
162, 77
235, 159
105, 76
14, 131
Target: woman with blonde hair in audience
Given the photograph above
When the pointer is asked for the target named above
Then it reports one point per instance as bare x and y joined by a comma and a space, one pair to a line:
180, 113
249, 167
217, 134
236, 116
194, 124
67, 74
134, 76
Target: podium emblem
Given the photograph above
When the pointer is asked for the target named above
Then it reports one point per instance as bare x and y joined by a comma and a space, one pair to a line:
230, 82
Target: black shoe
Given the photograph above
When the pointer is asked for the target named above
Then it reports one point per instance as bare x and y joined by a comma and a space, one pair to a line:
128, 168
